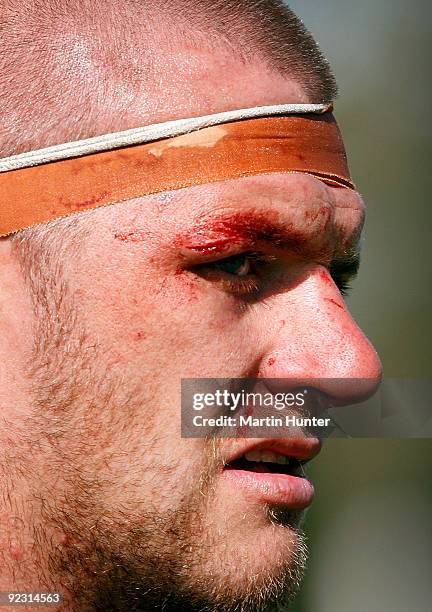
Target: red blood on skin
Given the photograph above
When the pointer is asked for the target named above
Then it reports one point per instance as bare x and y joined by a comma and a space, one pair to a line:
312, 215
133, 235
324, 275
16, 551
322, 211
192, 296
333, 302
192, 288
217, 235
218, 246
271, 361
139, 335
187, 283
214, 236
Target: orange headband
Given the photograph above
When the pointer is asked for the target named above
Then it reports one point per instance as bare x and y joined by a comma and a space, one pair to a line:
310, 144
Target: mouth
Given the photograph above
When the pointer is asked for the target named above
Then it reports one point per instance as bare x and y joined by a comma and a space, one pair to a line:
271, 471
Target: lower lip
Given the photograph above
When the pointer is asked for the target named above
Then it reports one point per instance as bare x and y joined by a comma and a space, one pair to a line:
276, 489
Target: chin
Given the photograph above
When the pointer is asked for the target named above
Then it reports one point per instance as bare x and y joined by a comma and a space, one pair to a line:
257, 550
260, 574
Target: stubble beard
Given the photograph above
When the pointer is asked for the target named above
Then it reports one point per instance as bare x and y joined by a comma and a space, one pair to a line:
132, 556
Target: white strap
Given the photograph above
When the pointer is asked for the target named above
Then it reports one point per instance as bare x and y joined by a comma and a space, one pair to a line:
149, 133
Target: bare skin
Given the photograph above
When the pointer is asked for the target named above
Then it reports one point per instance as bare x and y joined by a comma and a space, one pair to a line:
102, 479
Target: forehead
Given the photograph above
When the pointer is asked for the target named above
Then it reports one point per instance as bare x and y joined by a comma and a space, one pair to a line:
177, 82
195, 82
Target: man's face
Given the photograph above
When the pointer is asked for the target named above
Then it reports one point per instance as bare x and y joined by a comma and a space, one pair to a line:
223, 280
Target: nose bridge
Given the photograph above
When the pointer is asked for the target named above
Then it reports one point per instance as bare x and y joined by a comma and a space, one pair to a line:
316, 338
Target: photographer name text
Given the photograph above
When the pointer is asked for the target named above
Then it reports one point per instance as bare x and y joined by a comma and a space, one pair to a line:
269, 421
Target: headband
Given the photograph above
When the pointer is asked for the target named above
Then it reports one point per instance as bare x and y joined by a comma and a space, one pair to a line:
58, 181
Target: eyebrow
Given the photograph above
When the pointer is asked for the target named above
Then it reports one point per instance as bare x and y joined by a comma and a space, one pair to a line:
218, 234
253, 226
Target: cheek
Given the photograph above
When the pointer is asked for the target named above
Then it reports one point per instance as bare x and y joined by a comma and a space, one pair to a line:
151, 318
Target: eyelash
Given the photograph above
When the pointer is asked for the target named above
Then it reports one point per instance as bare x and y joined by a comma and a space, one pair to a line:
250, 284
342, 273
239, 285
344, 286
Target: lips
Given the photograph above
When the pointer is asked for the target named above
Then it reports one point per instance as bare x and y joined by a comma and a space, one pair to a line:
271, 471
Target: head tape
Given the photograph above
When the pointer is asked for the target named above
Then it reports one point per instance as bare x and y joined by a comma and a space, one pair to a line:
59, 181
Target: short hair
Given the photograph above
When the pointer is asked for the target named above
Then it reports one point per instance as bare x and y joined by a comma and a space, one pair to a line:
41, 105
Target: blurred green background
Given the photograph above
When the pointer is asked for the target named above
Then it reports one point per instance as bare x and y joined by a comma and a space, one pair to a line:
369, 528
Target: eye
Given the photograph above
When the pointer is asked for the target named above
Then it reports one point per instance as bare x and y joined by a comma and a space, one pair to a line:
240, 274
238, 265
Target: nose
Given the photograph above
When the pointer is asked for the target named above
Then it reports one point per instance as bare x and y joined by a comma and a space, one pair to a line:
314, 341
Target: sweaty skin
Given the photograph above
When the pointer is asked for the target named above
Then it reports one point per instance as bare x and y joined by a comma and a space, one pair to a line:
108, 503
